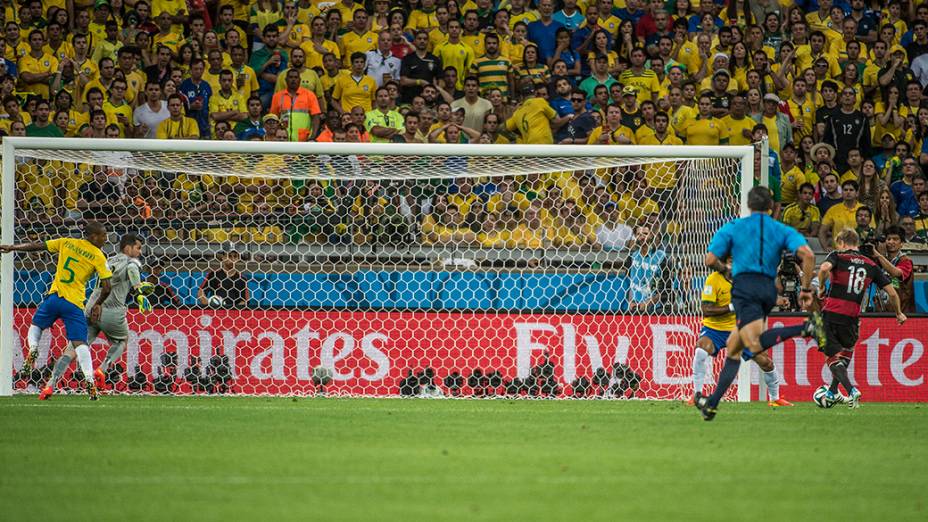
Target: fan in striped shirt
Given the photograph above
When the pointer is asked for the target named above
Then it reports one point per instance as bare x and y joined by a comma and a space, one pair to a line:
492, 69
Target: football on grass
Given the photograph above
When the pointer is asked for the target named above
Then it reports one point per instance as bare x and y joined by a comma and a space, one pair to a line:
820, 398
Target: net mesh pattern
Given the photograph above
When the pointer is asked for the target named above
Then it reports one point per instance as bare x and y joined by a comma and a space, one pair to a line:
386, 275
330, 166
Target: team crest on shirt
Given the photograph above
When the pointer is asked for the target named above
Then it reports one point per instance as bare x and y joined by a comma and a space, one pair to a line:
46, 63
365, 87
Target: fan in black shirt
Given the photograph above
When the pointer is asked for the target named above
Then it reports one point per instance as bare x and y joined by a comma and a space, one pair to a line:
847, 129
419, 68
227, 283
99, 198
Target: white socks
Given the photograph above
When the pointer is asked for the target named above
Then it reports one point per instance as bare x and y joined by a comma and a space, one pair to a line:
33, 338
700, 358
85, 361
773, 384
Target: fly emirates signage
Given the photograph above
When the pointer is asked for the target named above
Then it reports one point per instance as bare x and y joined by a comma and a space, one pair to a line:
274, 352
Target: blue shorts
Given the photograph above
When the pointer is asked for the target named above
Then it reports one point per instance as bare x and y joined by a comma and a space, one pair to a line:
54, 308
753, 296
719, 339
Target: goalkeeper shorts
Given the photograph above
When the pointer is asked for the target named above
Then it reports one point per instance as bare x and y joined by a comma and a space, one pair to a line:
113, 323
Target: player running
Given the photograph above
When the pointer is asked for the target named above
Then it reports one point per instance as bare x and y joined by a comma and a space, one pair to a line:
126, 278
717, 324
851, 273
78, 260
756, 244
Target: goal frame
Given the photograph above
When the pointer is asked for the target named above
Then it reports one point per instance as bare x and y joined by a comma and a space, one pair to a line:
743, 153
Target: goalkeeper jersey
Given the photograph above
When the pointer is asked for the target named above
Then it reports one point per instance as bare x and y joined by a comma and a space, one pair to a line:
126, 276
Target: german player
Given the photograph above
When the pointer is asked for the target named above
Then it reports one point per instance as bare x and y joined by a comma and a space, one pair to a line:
756, 244
125, 267
78, 261
717, 324
850, 273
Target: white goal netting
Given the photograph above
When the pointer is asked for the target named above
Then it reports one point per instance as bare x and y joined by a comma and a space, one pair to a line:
383, 275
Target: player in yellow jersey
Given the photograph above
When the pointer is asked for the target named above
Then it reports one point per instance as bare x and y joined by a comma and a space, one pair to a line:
532, 121
78, 261
717, 324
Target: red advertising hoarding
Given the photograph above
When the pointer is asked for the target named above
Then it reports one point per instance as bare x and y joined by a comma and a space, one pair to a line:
369, 353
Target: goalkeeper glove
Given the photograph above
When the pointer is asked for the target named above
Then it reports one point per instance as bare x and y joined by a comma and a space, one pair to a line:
144, 304
146, 288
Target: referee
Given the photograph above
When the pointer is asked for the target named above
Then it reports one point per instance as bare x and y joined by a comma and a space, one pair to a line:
756, 244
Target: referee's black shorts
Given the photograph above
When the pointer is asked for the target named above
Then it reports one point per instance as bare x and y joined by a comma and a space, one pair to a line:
753, 296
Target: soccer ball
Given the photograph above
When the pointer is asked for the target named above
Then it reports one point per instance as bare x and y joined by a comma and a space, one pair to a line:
215, 302
820, 398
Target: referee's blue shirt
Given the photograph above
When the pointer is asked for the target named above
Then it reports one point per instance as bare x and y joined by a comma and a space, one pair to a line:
755, 243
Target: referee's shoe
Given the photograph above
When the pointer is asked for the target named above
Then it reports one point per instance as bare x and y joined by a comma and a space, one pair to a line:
702, 404
815, 327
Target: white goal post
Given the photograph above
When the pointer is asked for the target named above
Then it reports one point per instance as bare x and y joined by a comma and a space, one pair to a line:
215, 158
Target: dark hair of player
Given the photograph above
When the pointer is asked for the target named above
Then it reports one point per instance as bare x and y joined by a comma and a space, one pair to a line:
129, 240
94, 227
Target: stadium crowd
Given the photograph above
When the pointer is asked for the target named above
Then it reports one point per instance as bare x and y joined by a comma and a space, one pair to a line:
838, 88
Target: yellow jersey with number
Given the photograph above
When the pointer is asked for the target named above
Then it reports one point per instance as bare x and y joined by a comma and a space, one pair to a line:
78, 261
718, 292
533, 121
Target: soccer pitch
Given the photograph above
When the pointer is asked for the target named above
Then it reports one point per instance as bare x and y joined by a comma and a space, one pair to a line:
234, 458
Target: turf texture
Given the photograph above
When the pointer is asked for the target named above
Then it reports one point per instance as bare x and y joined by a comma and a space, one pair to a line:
236, 458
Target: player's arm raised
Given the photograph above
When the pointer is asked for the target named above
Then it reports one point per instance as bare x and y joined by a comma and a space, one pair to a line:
143, 289
24, 247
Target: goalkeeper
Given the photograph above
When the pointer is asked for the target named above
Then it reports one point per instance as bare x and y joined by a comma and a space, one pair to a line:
127, 278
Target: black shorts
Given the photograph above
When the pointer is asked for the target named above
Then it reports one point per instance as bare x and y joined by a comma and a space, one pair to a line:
840, 336
754, 296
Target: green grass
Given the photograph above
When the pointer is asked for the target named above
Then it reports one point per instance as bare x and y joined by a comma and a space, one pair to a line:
153, 458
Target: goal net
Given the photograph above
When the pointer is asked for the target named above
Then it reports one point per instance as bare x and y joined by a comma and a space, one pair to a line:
380, 270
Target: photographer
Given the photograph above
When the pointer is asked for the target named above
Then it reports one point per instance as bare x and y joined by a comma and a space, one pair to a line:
899, 268
865, 232
788, 284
